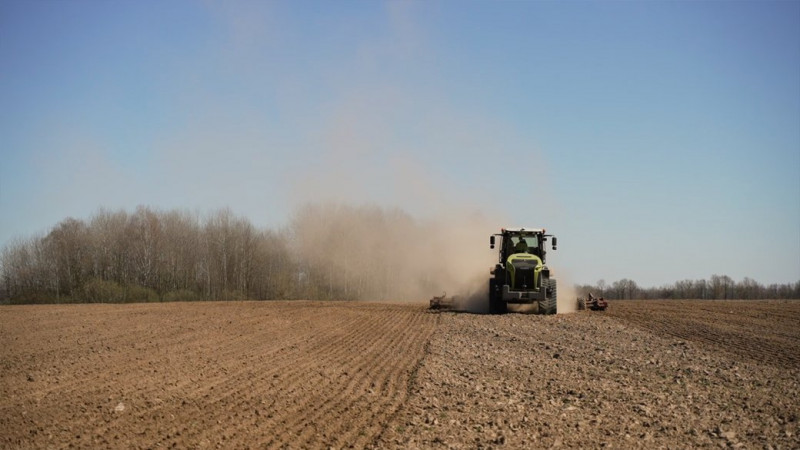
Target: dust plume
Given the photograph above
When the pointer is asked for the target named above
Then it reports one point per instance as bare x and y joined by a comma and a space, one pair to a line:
474, 297
567, 295
373, 253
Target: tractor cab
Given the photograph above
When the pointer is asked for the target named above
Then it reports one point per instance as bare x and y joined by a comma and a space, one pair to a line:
521, 240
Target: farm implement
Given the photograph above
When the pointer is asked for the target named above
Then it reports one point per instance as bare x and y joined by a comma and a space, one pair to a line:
592, 303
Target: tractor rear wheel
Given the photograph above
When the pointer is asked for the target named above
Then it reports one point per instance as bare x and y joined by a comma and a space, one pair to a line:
550, 304
496, 303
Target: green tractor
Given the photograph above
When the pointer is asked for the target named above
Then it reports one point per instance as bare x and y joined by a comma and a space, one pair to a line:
521, 275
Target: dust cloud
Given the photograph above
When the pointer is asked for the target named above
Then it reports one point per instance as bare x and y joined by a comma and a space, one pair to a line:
567, 295
373, 253
474, 297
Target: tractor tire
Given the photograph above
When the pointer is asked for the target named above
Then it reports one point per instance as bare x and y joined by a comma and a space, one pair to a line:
581, 304
492, 295
550, 304
496, 303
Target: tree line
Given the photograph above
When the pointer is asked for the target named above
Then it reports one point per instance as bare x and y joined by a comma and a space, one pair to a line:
717, 287
328, 251
146, 256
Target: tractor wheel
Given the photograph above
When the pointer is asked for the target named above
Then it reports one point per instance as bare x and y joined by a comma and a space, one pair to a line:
496, 303
549, 304
492, 297
581, 303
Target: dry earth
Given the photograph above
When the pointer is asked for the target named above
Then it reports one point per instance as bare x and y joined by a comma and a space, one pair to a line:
311, 374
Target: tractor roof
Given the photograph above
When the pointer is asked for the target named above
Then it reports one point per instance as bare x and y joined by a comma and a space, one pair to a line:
522, 230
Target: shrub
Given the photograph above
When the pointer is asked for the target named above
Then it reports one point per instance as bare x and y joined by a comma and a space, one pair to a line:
233, 295
181, 295
99, 291
135, 293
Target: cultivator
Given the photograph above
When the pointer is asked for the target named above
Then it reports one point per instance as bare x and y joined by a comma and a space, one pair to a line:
593, 303
442, 302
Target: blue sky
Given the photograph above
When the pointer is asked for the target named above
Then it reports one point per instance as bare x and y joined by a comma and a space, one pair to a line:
659, 140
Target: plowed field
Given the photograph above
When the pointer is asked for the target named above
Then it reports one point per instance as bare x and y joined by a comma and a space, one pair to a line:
761, 331
319, 375
217, 374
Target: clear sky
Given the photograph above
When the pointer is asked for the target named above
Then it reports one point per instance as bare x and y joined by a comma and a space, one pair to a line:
659, 140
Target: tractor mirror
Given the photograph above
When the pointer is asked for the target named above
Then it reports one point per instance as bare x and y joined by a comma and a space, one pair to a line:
554, 242
491, 241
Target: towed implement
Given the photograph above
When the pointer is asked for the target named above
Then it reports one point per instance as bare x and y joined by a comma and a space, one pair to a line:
442, 302
593, 303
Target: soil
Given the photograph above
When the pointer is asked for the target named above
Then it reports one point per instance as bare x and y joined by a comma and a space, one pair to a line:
366, 375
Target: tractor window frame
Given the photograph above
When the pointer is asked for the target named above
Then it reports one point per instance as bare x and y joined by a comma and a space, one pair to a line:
528, 237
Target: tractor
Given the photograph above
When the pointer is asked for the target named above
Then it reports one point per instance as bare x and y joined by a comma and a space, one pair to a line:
521, 275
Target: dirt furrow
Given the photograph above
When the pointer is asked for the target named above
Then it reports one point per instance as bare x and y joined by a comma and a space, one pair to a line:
360, 391
284, 380
391, 363
341, 354
177, 388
